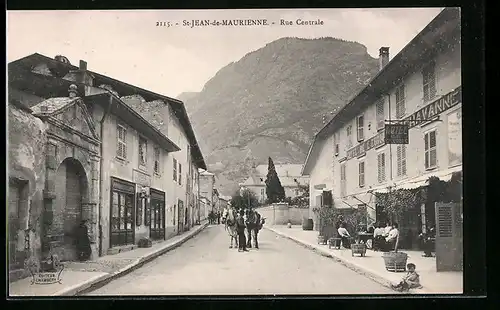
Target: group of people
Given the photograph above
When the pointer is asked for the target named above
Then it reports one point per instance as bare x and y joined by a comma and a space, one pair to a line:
214, 217
243, 228
384, 238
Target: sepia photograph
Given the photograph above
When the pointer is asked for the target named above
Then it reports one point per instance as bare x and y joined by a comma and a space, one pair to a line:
234, 152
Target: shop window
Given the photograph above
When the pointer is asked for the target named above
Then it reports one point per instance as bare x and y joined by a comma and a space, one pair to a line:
122, 213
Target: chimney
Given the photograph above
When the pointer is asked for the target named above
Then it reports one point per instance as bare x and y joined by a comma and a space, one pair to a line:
83, 65
383, 57
73, 91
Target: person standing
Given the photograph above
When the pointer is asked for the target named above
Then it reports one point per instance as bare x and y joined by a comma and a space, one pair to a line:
83, 241
259, 223
240, 228
345, 236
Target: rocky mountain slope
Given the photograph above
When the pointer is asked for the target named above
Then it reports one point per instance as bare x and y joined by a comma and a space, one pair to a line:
272, 102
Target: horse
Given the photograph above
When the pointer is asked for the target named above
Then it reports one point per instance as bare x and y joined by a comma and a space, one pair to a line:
229, 221
254, 223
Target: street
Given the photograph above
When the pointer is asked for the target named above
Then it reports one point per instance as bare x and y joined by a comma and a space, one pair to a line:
206, 265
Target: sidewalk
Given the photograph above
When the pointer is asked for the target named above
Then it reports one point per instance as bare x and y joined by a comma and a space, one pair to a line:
372, 265
78, 277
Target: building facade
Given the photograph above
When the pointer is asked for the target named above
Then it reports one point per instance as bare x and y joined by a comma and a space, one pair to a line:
207, 186
108, 158
290, 177
349, 156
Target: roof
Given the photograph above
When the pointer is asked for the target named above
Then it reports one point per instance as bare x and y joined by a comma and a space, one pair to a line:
281, 169
206, 173
123, 89
287, 173
53, 105
131, 117
432, 38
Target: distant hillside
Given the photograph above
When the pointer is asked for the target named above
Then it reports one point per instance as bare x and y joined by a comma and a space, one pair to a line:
271, 102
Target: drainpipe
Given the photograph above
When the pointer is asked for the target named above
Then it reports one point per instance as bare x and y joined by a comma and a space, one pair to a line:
100, 172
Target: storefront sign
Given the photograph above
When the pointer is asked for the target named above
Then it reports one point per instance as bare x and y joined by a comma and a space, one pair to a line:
435, 108
396, 134
455, 137
428, 112
364, 146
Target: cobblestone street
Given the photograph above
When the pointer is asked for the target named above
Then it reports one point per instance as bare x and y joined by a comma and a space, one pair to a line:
206, 265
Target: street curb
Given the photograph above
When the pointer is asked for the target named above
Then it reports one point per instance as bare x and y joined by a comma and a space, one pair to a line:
324, 252
102, 280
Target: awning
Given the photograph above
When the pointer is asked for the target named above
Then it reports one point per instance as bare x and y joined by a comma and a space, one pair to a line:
443, 175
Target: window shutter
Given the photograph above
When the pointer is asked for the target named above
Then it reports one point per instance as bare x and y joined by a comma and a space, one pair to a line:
403, 159
399, 159
380, 114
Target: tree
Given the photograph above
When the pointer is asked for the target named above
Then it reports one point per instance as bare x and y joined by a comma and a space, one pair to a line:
274, 190
302, 201
245, 199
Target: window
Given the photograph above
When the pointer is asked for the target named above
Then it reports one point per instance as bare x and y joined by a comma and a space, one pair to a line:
121, 149
429, 81
400, 101
342, 180
175, 170
380, 114
143, 148
349, 136
430, 150
361, 174
381, 167
180, 174
157, 160
360, 123
401, 159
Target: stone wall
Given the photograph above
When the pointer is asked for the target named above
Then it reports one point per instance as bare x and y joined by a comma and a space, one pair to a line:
280, 214
26, 163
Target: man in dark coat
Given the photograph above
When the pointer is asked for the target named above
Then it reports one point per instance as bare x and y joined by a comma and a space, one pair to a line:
240, 228
83, 241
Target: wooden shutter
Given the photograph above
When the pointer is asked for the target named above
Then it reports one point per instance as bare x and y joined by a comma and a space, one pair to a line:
361, 166
399, 158
327, 198
380, 114
449, 251
381, 167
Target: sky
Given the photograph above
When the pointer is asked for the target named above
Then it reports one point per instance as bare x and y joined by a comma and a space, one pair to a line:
129, 46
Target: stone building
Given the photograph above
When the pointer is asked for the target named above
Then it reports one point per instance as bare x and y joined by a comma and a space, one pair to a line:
83, 146
207, 185
420, 87
290, 177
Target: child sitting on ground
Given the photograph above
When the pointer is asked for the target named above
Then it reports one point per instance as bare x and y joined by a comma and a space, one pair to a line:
410, 280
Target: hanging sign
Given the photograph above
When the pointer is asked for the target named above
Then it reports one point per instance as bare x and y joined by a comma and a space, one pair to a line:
396, 134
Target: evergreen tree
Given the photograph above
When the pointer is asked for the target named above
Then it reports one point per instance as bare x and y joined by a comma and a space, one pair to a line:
274, 190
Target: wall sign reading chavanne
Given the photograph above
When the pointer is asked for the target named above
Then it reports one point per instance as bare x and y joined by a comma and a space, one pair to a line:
426, 113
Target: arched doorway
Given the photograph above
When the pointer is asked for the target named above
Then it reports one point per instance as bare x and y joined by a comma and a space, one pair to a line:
70, 186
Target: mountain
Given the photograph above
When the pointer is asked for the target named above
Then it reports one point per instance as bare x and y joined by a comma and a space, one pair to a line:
272, 103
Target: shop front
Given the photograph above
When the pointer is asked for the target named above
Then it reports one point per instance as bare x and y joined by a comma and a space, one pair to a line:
157, 215
122, 228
